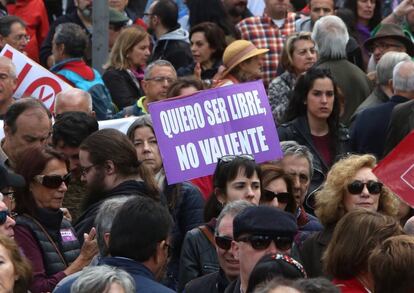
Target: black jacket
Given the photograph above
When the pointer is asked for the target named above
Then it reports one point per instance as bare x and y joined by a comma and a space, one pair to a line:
212, 283
298, 130
87, 219
125, 89
173, 46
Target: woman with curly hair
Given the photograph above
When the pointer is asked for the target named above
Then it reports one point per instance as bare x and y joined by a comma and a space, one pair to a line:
350, 185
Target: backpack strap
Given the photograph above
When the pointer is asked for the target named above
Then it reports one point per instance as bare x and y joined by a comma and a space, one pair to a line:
207, 232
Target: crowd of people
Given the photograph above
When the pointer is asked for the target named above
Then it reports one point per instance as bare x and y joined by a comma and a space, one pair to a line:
84, 209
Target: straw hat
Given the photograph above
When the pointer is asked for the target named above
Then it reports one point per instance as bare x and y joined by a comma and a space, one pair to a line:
239, 51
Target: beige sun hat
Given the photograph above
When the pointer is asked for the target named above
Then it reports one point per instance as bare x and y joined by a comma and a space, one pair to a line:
239, 51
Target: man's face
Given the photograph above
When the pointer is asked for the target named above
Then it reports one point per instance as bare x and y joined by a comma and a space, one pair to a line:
320, 8
73, 155
298, 168
276, 7
17, 38
228, 263
384, 45
235, 7
33, 128
92, 175
7, 83
157, 85
85, 7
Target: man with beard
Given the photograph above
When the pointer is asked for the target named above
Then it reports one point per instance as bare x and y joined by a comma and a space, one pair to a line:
69, 130
110, 168
237, 10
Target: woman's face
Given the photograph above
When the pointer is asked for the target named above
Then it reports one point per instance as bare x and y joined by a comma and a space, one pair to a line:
277, 186
252, 67
7, 228
7, 272
364, 199
320, 99
50, 198
244, 188
147, 148
303, 56
140, 53
200, 48
365, 10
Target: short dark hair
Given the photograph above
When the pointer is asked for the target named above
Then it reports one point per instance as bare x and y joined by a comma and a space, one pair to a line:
20, 106
138, 227
7, 21
31, 163
167, 11
73, 37
72, 128
181, 83
214, 35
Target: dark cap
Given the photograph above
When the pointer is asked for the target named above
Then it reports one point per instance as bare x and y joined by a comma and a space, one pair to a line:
393, 31
117, 18
8, 179
264, 220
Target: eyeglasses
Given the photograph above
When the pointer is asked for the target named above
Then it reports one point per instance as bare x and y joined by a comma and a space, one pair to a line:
262, 242
162, 79
357, 186
223, 242
282, 197
384, 46
85, 170
20, 38
53, 181
3, 216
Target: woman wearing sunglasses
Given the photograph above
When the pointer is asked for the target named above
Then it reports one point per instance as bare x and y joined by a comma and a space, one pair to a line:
350, 185
185, 201
313, 116
235, 178
6, 221
46, 238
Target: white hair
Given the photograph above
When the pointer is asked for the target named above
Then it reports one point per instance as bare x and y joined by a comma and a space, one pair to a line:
386, 65
403, 76
331, 36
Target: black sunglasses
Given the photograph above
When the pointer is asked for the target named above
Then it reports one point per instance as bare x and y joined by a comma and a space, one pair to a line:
53, 181
223, 242
282, 197
3, 216
230, 158
357, 186
262, 242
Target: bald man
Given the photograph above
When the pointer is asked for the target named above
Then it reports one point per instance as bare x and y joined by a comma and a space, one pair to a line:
8, 83
73, 100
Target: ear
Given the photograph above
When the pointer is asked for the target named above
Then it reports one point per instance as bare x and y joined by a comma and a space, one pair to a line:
7, 130
109, 167
390, 85
2, 41
106, 238
235, 249
221, 197
159, 253
145, 85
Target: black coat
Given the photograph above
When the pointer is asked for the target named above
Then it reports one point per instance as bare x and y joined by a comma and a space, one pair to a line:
212, 283
125, 89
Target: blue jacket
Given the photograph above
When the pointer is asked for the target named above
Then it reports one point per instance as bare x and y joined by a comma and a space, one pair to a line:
143, 277
369, 132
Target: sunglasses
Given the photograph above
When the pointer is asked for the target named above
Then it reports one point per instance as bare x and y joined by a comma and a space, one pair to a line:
223, 242
282, 197
53, 181
3, 216
357, 186
262, 242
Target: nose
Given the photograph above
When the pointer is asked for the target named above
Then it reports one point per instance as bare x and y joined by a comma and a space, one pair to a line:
272, 249
365, 192
249, 193
275, 202
10, 222
324, 98
146, 146
63, 187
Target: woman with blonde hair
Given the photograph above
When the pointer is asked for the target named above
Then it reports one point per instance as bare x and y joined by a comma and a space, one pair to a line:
298, 55
125, 67
350, 185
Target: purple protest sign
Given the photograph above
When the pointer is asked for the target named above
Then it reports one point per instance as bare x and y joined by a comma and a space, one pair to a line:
195, 131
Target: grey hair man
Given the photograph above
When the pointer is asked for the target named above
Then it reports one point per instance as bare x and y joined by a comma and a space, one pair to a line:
370, 130
331, 36
8, 84
229, 266
383, 89
74, 99
409, 226
158, 76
